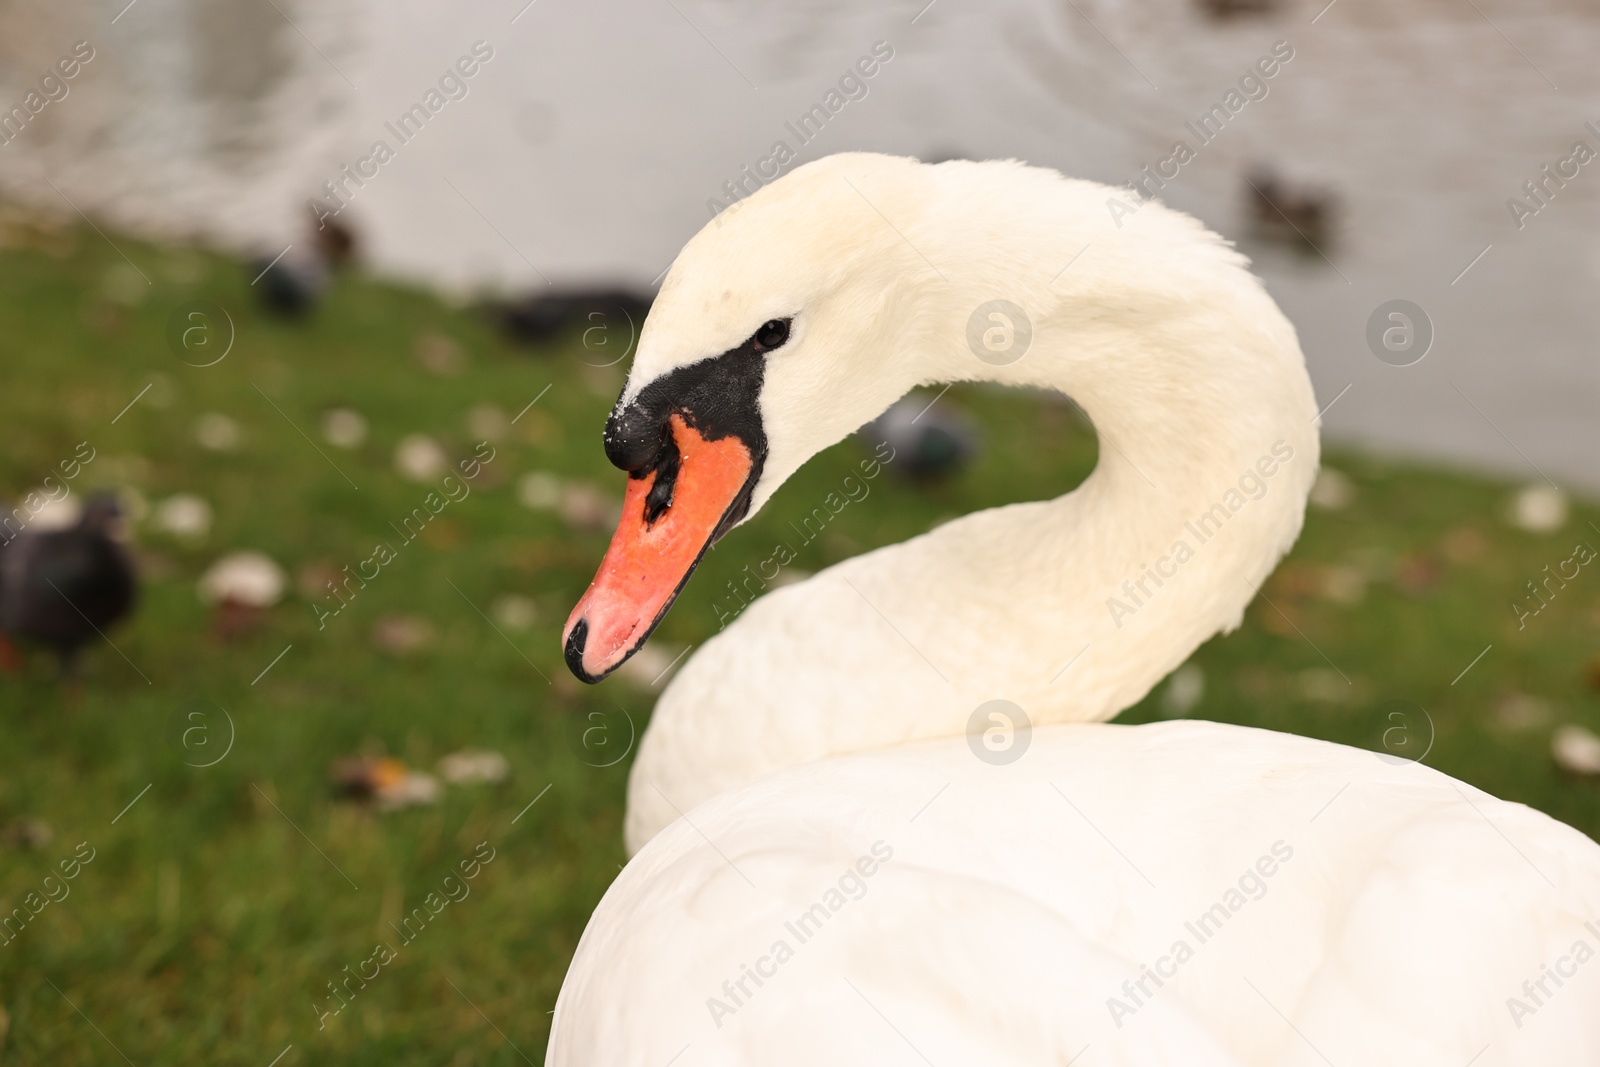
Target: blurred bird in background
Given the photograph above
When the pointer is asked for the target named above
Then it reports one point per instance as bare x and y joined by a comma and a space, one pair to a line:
292, 285
1290, 214
544, 317
931, 441
63, 587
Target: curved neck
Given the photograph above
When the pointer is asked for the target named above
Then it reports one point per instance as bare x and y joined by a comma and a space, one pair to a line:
1071, 608
1197, 388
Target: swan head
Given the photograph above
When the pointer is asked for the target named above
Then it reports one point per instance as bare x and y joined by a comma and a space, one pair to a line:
780, 328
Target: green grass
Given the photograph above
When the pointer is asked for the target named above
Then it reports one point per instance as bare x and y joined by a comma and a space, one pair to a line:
208, 924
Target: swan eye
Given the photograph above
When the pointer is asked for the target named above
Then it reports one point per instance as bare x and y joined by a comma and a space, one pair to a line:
773, 333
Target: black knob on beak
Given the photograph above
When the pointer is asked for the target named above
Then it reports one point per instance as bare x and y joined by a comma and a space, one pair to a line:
633, 437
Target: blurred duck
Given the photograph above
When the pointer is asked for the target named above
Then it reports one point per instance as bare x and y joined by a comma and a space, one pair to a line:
62, 588
1225, 9
545, 316
931, 442
293, 284
336, 243
1287, 213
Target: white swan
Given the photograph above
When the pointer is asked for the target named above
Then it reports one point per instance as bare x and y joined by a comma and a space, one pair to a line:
1179, 893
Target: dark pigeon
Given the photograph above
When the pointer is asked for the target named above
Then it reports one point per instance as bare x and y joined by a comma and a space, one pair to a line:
65, 588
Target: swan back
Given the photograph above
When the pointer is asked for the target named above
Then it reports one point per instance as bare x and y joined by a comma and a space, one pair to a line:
1246, 897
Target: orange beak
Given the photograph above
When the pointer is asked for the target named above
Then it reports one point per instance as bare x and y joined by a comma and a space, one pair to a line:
656, 548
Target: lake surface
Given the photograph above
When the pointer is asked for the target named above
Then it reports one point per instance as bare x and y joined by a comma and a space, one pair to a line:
587, 144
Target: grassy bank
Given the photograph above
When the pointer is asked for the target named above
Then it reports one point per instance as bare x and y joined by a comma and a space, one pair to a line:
221, 903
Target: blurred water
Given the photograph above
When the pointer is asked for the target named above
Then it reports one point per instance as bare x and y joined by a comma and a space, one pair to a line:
588, 145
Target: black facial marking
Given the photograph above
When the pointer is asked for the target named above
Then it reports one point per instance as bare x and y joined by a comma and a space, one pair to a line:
720, 397
659, 499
